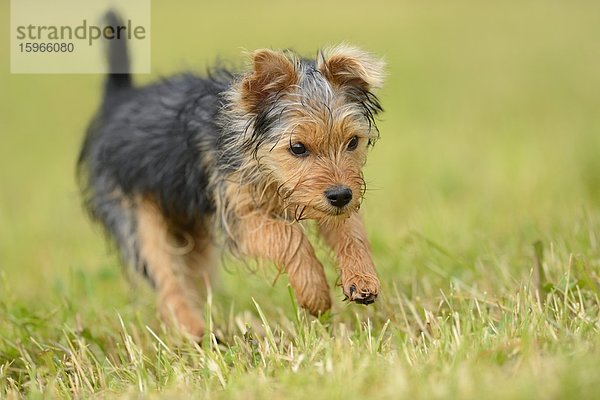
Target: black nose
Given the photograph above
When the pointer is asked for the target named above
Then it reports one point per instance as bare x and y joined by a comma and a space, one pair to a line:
339, 196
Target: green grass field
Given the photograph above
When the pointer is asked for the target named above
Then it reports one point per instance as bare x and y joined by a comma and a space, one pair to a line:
483, 212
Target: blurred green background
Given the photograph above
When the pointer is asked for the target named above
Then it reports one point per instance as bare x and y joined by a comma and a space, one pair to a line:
490, 139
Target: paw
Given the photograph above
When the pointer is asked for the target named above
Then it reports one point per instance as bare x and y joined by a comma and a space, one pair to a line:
316, 303
314, 296
186, 319
361, 289
317, 306
192, 325
311, 288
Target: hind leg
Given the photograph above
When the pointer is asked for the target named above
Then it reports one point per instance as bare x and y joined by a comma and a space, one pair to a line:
175, 270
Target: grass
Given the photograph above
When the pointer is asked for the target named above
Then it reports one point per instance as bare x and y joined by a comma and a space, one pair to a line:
483, 212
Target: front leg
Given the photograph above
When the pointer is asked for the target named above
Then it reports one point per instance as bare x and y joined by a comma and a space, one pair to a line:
286, 245
348, 239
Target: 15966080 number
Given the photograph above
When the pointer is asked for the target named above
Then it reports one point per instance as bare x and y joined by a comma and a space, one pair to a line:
47, 47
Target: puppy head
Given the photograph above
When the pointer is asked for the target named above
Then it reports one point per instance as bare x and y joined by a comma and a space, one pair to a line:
310, 123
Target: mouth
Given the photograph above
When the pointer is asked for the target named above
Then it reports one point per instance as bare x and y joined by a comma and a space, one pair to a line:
300, 212
336, 211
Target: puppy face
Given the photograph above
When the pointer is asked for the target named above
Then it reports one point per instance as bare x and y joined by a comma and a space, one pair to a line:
312, 124
317, 161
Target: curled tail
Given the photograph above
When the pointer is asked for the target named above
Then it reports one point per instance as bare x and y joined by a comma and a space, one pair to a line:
119, 77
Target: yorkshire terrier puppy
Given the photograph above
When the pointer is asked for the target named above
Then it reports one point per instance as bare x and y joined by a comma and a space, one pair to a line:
178, 169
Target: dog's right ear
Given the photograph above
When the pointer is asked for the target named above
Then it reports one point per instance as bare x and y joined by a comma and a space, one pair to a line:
271, 73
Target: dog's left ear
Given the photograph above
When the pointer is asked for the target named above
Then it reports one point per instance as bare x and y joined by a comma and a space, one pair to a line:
347, 66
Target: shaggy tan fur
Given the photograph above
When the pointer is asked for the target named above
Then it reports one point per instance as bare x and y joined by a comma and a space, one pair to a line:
231, 177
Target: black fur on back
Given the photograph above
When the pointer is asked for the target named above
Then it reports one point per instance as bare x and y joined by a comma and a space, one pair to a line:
156, 141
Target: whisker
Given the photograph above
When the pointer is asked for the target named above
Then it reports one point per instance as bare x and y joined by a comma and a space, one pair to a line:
301, 213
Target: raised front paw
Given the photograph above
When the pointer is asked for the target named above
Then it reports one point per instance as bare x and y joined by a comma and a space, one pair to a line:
362, 289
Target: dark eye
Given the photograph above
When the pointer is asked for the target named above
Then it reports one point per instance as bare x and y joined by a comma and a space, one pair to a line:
353, 143
298, 149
